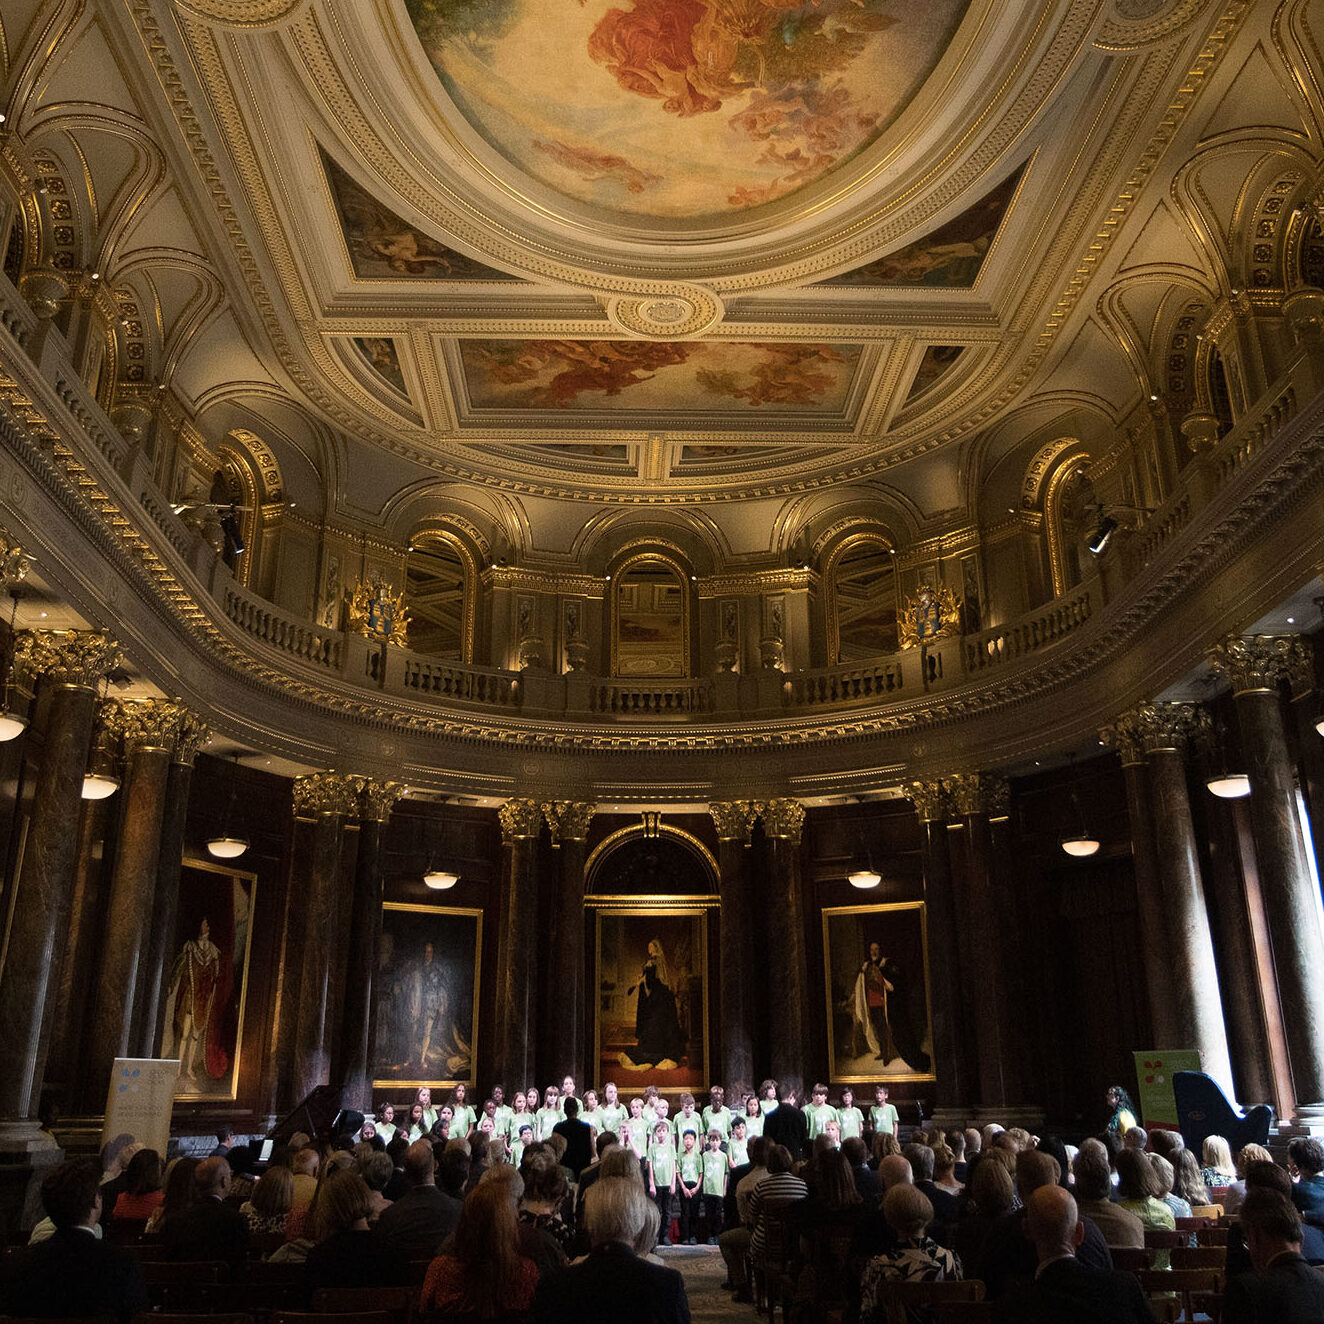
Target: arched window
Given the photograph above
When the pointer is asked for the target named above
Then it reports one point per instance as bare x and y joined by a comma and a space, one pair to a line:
650, 618
862, 599
1069, 508
439, 592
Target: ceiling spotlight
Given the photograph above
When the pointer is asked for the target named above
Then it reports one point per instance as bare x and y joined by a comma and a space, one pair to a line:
1102, 534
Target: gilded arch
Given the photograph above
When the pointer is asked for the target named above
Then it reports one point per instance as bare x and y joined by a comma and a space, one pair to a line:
861, 537
656, 554
439, 531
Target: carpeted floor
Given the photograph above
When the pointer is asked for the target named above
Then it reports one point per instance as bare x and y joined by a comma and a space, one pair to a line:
704, 1271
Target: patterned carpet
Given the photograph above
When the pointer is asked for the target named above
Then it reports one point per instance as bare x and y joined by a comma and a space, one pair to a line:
704, 1271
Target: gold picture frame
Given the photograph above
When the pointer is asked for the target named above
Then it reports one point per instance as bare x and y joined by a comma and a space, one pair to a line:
671, 935
426, 1003
859, 1033
208, 1038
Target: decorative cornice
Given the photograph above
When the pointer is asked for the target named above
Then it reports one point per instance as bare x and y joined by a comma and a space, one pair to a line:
326, 793
192, 735
145, 724
932, 801
1257, 663
377, 799
1158, 728
733, 818
974, 794
568, 820
520, 820
782, 818
67, 657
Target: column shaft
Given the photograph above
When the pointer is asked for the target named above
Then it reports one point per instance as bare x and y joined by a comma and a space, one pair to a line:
516, 1032
951, 1047
989, 1002
736, 1066
364, 938
789, 1002
563, 1023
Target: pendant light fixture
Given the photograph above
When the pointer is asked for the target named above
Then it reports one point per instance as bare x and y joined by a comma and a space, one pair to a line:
102, 778
1082, 843
439, 879
12, 724
228, 845
1225, 781
863, 875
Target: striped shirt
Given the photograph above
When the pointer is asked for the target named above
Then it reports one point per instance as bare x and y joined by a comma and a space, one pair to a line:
772, 1193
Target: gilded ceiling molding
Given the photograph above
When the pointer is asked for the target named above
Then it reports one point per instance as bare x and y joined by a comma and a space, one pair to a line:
733, 819
782, 818
1258, 663
932, 800
377, 799
518, 577
674, 316
521, 820
1133, 24
752, 582
978, 794
243, 14
145, 725
75, 658
326, 793
568, 820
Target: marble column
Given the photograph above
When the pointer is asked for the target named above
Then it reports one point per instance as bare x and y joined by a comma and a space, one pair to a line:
1255, 665
1166, 731
516, 1022
322, 803
71, 664
563, 1028
788, 1012
1307, 710
191, 735
147, 728
735, 1068
977, 797
375, 802
1126, 736
953, 1050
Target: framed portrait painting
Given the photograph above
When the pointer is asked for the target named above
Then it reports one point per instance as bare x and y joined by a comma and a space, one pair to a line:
876, 963
651, 1019
207, 979
429, 964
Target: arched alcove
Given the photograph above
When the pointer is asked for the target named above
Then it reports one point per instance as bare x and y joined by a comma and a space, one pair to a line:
862, 598
439, 592
650, 618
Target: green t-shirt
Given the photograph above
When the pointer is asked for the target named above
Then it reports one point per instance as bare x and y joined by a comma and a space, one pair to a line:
662, 1159
613, 1117
462, 1119
691, 1166
738, 1150
717, 1119
502, 1118
884, 1117
637, 1129
593, 1119
714, 1172
547, 1118
818, 1116
753, 1126
693, 1123
852, 1122
516, 1152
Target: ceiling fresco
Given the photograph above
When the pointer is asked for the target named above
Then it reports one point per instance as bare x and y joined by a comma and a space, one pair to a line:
650, 376
935, 364
673, 109
384, 359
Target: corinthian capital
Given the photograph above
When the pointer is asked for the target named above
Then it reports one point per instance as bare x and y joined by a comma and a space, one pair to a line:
782, 818
931, 800
568, 820
733, 818
326, 793
193, 733
145, 723
974, 793
1155, 727
520, 820
1257, 662
377, 799
67, 657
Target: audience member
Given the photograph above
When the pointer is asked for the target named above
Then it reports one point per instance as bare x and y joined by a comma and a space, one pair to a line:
946, 1208
72, 1272
1306, 1155
268, 1208
345, 1253
209, 1229
735, 1240
1120, 1227
613, 1283
1218, 1169
540, 1246
991, 1196
376, 1169
421, 1219
179, 1192
1062, 1288
865, 1178
1188, 1183
142, 1191
1137, 1192
1236, 1191
1284, 1288
1269, 1177
306, 1164
544, 1194
913, 1257
486, 1273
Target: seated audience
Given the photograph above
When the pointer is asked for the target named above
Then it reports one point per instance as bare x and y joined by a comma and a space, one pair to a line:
142, 1191
944, 1170
376, 1170
735, 1238
1062, 1288
268, 1208
865, 1178
833, 1200
1269, 1177
914, 1256
1137, 1192
209, 1229
1164, 1178
345, 1252
956, 1143
1306, 1157
544, 1193
781, 1187
946, 1208
484, 1272
421, 1219
1284, 1288
991, 1196
1188, 1183
1236, 1191
1120, 1227
306, 1164
613, 1283
72, 1272
540, 1246
1218, 1169
178, 1194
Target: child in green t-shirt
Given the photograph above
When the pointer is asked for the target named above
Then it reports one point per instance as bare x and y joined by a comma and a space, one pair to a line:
715, 1168
717, 1116
690, 1176
883, 1115
850, 1117
549, 1115
463, 1117
662, 1176
523, 1139
634, 1130
591, 1113
737, 1147
613, 1112
687, 1121
818, 1113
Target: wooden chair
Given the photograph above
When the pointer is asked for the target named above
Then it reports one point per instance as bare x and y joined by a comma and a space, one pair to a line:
770, 1264
1211, 1236
1214, 1211
398, 1302
1131, 1259
1199, 1257
184, 1288
269, 1287
898, 1297
311, 1317
1158, 1238
1195, 1223
963, 1312
827, 1258
1186, 1283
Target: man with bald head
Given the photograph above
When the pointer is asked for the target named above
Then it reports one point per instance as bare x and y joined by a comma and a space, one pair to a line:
209, 1229
1063, 1288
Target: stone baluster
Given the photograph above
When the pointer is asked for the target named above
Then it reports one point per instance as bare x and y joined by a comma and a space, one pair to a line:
516, 1028
788, 1012
733, 819
563, 1030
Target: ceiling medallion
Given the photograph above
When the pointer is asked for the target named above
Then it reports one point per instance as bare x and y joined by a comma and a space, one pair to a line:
674, 315
242, 13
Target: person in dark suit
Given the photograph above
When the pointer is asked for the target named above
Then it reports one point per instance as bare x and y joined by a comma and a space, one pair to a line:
786, 1125
224, 1143
1285, 1288
72, 1273
209, 1229
866, 1179
421, 1219
613, 1283
1063, 1288
578, 1138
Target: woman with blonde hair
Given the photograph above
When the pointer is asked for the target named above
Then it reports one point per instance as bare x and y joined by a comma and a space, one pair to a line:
1218, 1169
345, 1252
485, 1275
268, 1208
1236, 1190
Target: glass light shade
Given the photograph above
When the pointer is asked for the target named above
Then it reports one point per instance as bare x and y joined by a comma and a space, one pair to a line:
11, 725
440, 879
227, 848
1080, 846
100, 785
1319, 726
1229, 785
864, 878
